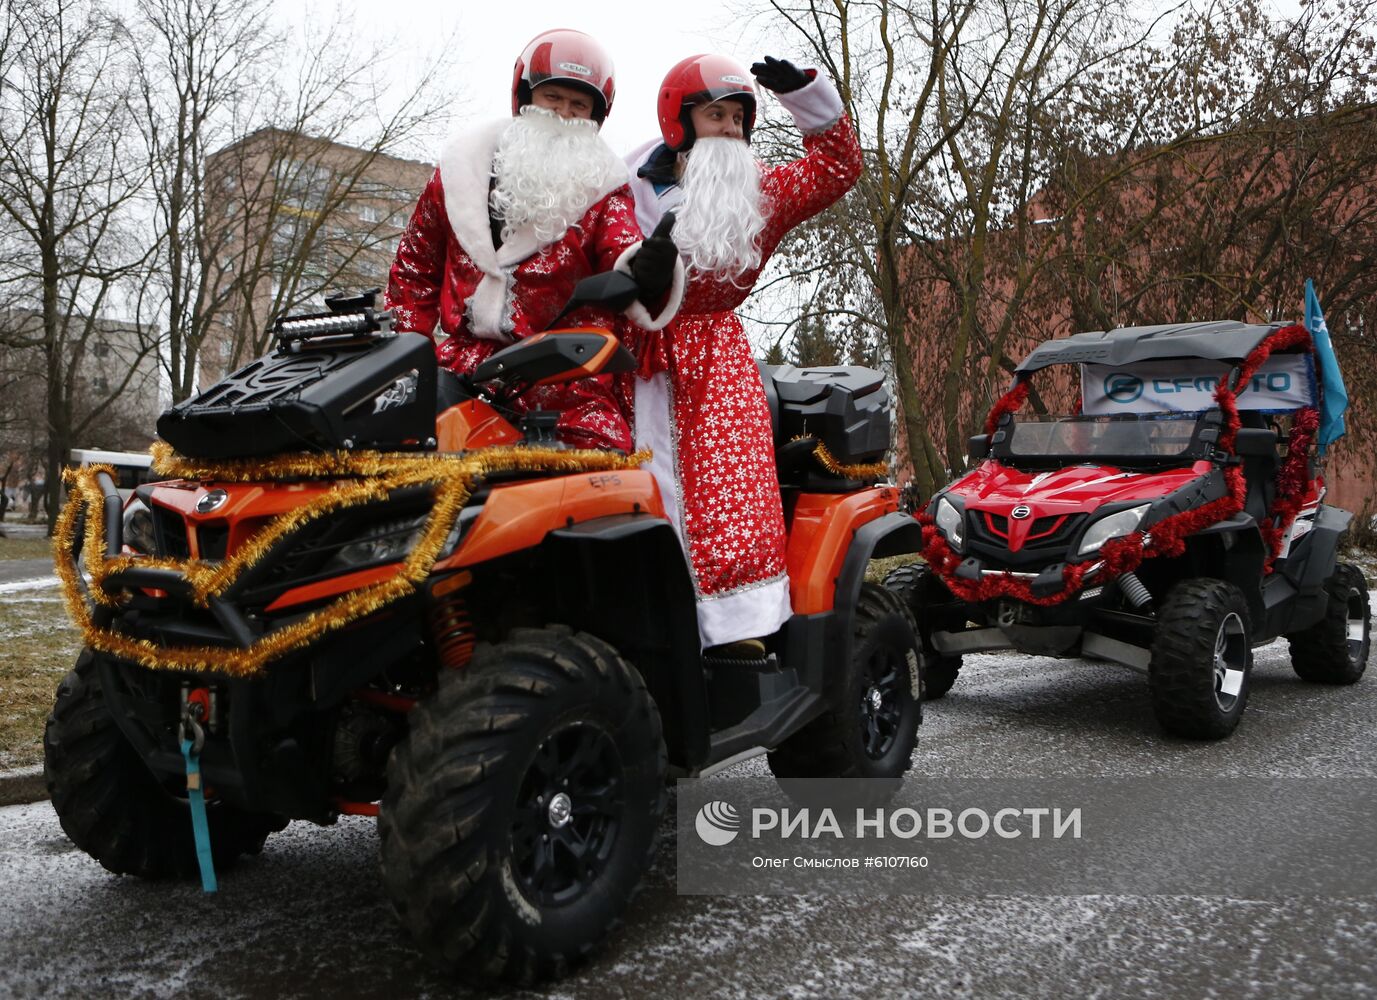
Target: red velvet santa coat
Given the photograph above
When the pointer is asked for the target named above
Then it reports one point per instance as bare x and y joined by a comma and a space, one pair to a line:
700, 405
484, 298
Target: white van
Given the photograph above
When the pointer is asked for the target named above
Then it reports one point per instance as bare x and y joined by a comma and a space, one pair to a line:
131, 468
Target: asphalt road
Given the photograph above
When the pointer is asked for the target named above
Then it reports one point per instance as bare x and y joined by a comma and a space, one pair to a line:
308, 919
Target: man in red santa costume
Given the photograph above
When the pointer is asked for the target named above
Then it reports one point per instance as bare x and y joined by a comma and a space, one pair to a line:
518, 211
699, 403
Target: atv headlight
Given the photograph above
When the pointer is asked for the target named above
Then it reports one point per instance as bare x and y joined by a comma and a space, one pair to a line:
950, 522
385, 542
1114, 526
138, 528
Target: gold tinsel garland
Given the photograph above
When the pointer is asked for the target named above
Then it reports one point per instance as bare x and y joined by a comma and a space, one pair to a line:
829, 462
452, 476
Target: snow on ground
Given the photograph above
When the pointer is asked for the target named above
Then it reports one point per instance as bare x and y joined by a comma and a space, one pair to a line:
22, 586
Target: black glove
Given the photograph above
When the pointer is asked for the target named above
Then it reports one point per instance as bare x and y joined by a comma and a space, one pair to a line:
653, 265
780, 75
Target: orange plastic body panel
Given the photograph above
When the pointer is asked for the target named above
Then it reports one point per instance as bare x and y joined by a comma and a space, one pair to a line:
473, 424
519, 516
322, 589
245, 510
819, 538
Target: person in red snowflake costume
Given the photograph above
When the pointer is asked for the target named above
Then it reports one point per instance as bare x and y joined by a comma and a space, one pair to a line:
517, 212
699, 402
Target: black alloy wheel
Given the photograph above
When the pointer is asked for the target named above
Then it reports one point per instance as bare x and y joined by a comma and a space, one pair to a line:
568, 814
524, 806
871, 725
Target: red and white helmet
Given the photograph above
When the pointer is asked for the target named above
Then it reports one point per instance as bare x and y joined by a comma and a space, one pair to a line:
701, 79
567, 57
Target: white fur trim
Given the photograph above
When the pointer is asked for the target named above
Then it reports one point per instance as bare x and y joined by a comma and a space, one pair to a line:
489, 308
638, 313
465, 171
465, 174
749, 613
653, 432
815, 106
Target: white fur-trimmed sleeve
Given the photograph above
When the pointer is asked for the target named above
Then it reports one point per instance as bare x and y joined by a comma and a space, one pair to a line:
816, 106
637, 312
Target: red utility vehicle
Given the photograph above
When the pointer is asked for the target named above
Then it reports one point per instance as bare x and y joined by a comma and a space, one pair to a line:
1171, 524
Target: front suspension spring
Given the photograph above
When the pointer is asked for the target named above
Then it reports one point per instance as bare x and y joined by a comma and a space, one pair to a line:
451, 629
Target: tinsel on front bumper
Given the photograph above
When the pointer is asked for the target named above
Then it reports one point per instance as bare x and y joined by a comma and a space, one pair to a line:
451, 476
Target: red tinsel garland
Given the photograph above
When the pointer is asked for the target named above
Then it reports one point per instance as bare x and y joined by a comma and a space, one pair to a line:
1123, 555
1119, 555
1293, 483
1287, 337
1007, 403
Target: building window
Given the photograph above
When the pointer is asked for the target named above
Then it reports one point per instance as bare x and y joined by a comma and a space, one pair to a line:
100, 383
101, 349
370, 213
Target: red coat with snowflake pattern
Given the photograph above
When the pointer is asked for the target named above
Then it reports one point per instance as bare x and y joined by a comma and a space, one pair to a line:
722, 468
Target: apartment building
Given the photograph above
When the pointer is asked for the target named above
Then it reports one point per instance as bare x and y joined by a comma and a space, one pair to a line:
292, 218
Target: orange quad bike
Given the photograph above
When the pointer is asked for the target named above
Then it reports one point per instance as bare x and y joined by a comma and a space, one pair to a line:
373, 588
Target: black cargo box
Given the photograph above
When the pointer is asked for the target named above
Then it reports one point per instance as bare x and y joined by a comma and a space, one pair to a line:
374, 392
846, 408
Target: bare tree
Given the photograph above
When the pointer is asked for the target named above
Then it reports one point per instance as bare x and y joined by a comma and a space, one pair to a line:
887, 58
257, 169
202, 63
1230, 225
66, 185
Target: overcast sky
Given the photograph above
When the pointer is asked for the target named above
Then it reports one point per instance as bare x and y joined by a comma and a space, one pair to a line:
644, 39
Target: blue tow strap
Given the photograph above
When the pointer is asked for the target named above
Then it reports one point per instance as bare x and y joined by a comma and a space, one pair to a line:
200, 827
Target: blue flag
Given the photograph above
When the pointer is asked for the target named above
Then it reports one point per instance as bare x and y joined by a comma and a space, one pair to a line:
1331, 379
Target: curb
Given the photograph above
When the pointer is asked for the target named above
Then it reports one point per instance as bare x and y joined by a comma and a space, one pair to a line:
22, 786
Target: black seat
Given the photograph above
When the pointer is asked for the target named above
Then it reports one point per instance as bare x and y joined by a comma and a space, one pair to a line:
449, 390
1257, 446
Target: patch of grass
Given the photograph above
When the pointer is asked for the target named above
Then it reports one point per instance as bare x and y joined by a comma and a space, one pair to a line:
25, 548
38, 645
879, 568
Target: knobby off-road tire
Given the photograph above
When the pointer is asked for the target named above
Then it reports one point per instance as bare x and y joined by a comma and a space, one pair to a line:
1203, 638
111, 805
1334, 650
871, 724
913, 585
478, 858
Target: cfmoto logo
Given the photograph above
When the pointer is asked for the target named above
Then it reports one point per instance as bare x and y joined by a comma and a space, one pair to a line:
1123, 388
1020, 512
213, 500
717, 824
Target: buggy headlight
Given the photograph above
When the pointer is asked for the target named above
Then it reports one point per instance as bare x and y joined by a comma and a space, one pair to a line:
1114, 526
950, 522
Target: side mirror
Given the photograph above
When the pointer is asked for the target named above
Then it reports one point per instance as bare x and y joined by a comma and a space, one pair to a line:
978, 447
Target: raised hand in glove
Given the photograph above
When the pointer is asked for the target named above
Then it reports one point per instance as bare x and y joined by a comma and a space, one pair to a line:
653, 265
780, 75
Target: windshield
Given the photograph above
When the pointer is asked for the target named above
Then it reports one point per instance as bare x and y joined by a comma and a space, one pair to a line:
1148, 438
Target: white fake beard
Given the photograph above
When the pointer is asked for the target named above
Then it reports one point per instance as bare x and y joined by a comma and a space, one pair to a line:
718, 226
549, 171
